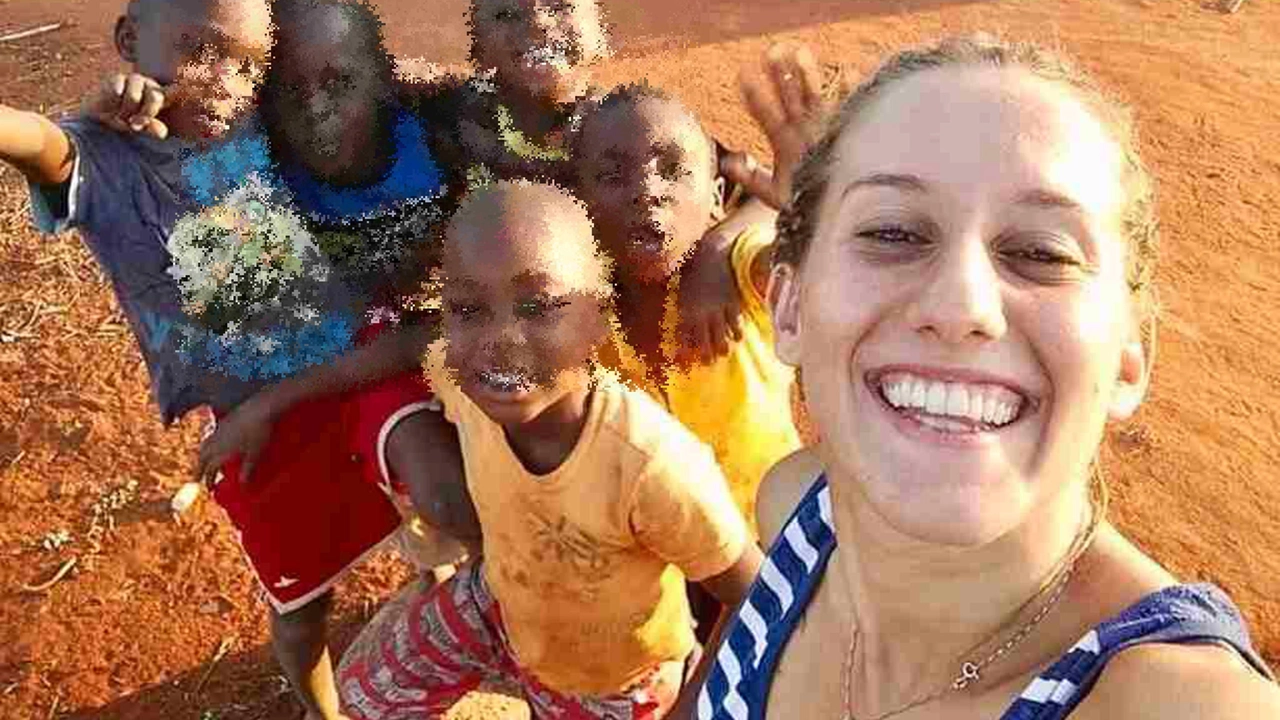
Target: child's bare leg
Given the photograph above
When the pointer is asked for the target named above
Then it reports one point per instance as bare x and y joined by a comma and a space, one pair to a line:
300, 641
424, 453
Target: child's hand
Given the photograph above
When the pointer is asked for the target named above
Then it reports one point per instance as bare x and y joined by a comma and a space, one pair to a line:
709, 302
786, 102
129, 104
244, 431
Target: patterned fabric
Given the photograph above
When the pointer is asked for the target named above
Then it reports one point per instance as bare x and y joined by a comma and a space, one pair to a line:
737, 688
431, 651
738, 683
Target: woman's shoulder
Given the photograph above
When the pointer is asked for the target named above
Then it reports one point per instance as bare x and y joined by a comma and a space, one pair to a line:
1173, 682
782, 489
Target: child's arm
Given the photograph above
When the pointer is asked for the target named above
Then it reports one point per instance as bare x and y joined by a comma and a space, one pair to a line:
710, 301
36, 147
246, 429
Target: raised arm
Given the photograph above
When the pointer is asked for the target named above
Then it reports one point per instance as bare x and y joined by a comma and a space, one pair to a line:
35, 146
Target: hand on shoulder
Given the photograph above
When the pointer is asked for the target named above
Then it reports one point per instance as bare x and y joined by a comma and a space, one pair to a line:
1180, 682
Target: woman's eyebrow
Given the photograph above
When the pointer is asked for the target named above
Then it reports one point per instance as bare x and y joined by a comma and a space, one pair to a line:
900, 181
1049, 200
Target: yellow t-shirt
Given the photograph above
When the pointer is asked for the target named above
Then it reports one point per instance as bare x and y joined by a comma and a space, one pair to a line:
740, 404
588, 562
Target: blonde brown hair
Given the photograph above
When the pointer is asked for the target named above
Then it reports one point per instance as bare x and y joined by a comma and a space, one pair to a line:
798, 220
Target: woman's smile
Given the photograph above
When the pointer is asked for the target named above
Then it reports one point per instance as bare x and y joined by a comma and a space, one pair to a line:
952, 407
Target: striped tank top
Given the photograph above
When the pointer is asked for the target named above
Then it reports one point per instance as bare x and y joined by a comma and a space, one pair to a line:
737, 687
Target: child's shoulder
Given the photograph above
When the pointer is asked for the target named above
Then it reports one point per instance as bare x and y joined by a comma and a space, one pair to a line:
641, 426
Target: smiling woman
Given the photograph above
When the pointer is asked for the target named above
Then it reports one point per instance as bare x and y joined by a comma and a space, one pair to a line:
963, 275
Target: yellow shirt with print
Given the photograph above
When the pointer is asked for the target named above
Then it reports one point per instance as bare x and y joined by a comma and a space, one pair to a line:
739, 404
588, 562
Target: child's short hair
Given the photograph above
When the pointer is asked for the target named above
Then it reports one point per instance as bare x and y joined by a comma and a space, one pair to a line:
552, 192
629, 96
366, 26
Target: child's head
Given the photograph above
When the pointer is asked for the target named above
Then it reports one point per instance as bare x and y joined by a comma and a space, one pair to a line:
525, 293
540, 48
330, 89
647, 171
210, 55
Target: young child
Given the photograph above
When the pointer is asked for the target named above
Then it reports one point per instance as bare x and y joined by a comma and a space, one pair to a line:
646, 169
195, 67
328, 445
532, 61
595, 503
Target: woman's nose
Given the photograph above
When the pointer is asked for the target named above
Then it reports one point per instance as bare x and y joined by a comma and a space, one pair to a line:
960, 299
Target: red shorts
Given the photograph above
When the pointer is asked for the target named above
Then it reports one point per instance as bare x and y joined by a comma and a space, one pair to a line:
319, 499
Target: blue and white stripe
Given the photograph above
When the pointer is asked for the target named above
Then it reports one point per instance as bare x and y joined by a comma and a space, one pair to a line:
787, 579
737, 687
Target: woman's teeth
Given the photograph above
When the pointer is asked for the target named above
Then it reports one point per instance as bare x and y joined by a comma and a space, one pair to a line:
991, 405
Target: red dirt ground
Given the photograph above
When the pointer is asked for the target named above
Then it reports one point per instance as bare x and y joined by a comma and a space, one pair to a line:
131, 631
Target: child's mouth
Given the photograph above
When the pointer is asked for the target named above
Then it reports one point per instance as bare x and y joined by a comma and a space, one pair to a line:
555, 56
506, 382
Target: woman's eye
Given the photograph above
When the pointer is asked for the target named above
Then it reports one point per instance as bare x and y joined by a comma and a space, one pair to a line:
892, 236
1043, 256
506, 15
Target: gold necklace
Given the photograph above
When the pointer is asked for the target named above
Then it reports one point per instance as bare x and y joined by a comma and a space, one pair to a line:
971, 672
517, 143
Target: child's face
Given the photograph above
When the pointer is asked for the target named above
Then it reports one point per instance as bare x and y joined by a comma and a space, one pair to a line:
328, 90
209, 53
645, 174
523, 296
539, 47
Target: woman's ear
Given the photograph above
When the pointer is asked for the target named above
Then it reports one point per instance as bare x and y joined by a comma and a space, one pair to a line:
126, 39
1132, 381
783, 296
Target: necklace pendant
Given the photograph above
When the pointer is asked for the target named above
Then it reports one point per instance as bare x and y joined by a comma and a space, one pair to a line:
968, 675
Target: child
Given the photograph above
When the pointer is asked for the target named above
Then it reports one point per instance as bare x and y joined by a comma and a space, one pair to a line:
296, 561
124, 191
319, 451
592, 499
646, 169
532, 61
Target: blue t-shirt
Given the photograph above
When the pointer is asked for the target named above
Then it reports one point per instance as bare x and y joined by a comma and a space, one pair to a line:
127, 191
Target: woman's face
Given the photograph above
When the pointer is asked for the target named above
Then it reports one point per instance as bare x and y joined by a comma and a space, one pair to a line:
962, 318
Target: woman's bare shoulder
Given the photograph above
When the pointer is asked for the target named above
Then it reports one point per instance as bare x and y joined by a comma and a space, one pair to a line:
782, 489
1180, 682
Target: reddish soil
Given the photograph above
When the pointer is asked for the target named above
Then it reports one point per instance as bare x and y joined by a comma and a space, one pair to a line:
131, 631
